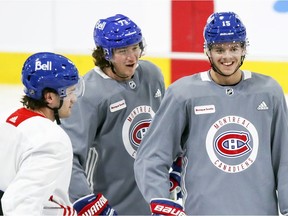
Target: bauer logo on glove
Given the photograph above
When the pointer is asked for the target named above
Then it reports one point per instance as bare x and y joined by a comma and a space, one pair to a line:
160, 206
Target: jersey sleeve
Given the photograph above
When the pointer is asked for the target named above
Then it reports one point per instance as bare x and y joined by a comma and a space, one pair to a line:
279, 152
160, 145
37, 177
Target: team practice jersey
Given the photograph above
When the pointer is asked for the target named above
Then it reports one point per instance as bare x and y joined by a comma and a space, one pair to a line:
106, 127
35, 165
234, 140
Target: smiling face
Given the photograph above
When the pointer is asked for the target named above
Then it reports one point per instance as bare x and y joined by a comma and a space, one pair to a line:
125, 61
225, 59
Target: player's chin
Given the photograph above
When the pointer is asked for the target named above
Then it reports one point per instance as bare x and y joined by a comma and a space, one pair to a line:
228, 70
66, 114
129, 73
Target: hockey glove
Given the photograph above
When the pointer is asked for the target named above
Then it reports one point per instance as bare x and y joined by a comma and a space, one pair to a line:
160, 206
175, 179
93, 205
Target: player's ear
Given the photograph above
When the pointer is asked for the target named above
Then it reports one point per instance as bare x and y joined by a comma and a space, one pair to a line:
50, 97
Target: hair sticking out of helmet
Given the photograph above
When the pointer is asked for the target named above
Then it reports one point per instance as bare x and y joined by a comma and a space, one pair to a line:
224, 27
48, 70
116, 32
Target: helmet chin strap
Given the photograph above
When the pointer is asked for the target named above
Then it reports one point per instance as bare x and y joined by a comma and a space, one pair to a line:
113, 70
56, 111
217, 70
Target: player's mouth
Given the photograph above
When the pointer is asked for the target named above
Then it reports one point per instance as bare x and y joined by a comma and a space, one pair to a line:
130, 65
227, 63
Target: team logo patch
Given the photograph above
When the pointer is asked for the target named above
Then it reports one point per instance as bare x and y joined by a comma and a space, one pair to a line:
135, 127
229, 91
232, 144
138, 131
132, 84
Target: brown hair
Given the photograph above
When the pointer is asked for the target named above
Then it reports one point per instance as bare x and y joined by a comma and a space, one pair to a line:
99, 58
33, 104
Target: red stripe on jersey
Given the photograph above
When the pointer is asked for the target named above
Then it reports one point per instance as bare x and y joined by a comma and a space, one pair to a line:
21, 115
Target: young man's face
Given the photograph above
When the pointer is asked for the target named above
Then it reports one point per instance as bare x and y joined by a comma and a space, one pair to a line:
226, 56
125, 60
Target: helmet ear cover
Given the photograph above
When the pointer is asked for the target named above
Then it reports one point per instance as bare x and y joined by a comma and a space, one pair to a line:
47, 70
116, 32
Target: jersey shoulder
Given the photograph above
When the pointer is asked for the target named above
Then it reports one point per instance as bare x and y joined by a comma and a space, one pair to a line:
43, 130
34, 131
20, 116
264, 79
196, 80
98, 86
187, 87
262, 82
96, 76
149, 68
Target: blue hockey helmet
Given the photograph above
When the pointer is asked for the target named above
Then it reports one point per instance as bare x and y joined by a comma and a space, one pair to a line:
48, 70
224, 27
116, 32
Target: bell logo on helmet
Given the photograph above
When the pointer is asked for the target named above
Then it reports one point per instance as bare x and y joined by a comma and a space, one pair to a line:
100, 25
40, 66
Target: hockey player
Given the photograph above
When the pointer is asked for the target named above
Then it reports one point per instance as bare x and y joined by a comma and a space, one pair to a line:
36, 154
122, 94
231, 128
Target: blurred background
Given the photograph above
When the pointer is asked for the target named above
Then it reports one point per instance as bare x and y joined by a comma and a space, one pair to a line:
173, 31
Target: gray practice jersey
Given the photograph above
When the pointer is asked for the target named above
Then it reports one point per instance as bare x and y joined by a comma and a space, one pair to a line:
106, 128
234, 140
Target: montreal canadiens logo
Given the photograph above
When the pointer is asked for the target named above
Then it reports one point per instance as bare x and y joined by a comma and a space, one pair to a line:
232, 144
135, 127
138, 131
